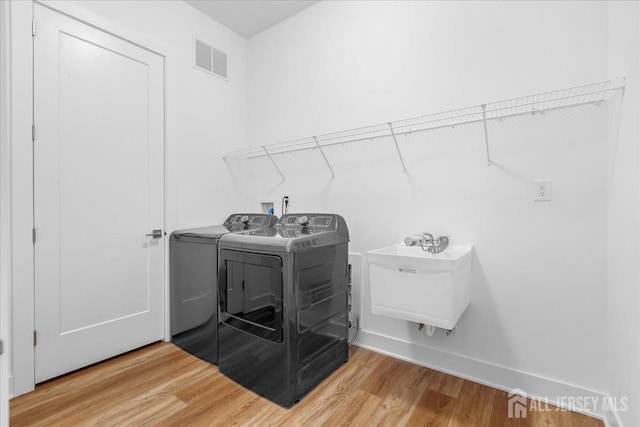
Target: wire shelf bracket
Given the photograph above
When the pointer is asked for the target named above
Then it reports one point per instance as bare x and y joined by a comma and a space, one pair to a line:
486, 133
333, 175
275, 165
594, 93
395, 141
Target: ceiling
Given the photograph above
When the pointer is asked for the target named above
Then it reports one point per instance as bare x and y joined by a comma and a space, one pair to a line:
250, 17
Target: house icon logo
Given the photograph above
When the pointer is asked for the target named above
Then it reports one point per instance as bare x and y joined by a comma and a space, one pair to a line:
517, 405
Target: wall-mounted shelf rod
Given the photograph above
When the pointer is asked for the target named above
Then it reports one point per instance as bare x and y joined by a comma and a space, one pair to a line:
593, 93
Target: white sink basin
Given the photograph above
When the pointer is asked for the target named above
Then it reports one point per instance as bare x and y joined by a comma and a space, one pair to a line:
411, 284
450, 259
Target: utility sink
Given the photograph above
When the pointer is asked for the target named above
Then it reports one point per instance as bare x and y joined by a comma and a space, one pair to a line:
411, 284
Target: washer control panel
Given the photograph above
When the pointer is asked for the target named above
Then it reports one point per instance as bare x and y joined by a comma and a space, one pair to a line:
321, 222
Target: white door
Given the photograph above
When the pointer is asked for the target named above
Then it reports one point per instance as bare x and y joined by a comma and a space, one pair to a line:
98, 192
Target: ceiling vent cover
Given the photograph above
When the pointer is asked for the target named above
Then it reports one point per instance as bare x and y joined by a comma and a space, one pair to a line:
210, 59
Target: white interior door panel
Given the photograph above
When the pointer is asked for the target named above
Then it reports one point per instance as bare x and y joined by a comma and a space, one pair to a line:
99, 189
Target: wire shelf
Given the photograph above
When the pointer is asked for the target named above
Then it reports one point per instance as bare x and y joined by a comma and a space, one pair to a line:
531, 104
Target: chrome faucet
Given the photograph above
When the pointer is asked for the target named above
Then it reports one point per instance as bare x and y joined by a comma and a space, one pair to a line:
417, 239
427, 243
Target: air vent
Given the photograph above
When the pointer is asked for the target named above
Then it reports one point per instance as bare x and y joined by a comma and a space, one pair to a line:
210, 59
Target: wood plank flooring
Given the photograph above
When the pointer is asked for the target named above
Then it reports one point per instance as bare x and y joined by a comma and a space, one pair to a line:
165, 386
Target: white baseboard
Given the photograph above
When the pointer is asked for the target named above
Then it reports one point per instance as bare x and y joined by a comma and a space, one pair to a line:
492, 375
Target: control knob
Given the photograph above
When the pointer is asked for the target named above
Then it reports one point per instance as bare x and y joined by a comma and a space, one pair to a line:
303, 220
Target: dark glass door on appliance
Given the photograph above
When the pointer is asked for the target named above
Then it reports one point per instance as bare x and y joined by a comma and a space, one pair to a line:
250, 293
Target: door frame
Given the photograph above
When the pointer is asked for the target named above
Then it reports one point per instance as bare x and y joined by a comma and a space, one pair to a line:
5, 217
22, 249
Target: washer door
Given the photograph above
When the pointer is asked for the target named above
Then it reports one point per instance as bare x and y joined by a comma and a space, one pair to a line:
250, 293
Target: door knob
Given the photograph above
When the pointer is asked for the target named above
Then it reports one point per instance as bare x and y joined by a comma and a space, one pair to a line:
156, 234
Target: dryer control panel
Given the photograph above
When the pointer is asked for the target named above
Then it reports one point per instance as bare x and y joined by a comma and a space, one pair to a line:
309, 221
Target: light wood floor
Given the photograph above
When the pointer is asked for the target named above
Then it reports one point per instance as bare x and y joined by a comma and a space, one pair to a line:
162, 385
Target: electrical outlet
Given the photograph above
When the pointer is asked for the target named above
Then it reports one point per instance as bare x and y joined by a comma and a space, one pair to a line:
541, 190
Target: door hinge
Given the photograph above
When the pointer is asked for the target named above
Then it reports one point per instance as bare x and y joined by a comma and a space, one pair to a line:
33, 131
33, 235
33, 28
35, 338
1, 347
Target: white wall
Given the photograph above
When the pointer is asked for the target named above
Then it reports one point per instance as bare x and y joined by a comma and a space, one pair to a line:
203, 112
538, 311
340, 65
623, 261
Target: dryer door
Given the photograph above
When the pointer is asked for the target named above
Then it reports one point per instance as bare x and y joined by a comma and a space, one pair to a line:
250, 293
